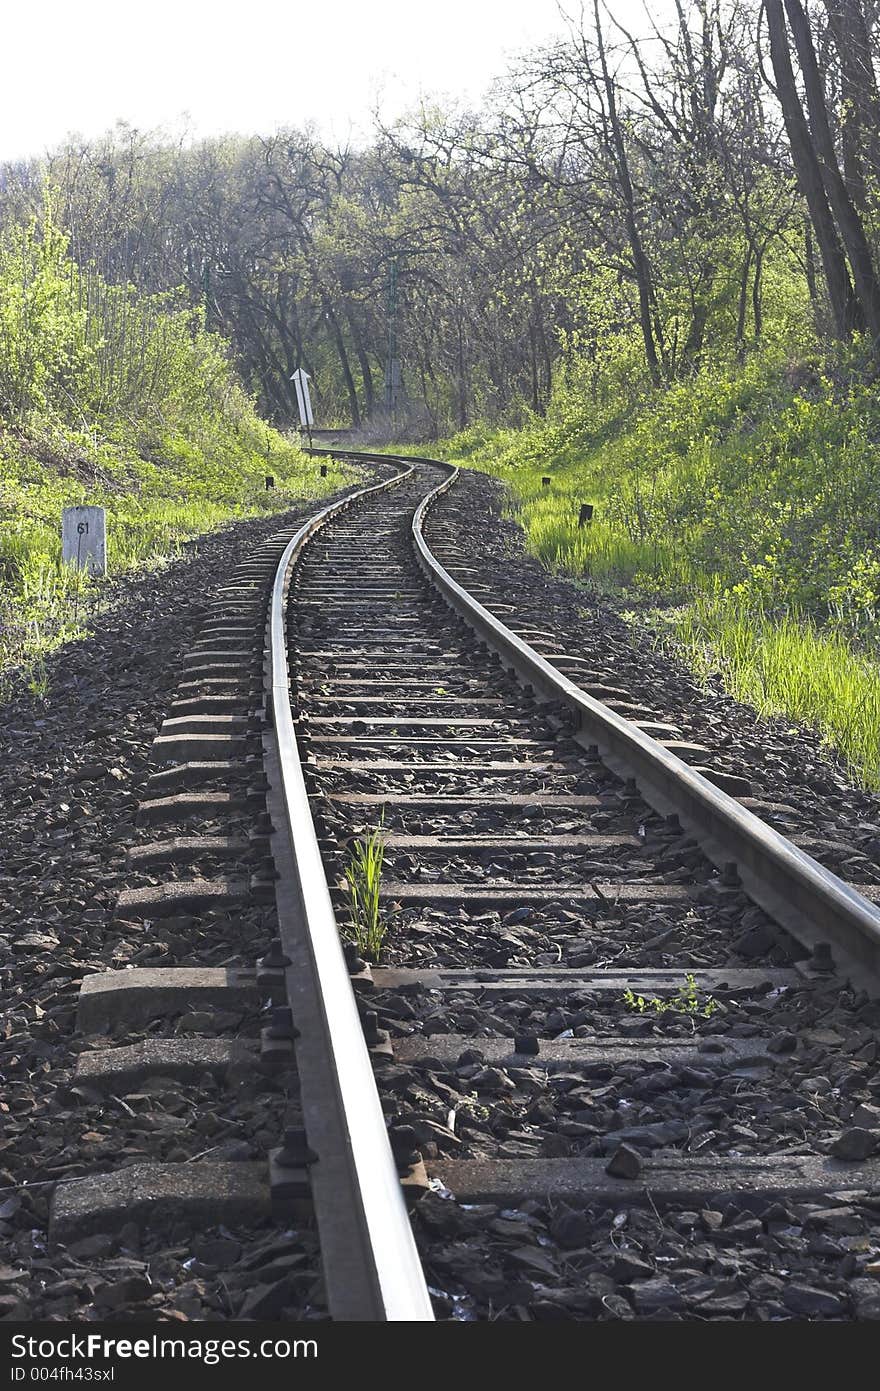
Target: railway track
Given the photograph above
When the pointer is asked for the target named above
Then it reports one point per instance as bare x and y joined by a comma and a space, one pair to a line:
558, 1054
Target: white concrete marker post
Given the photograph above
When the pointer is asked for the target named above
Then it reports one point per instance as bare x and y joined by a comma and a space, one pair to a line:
84, 539
300, 380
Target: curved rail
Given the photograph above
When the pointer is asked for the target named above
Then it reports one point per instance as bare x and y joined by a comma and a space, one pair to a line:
811, 902
814, 904
371, 1265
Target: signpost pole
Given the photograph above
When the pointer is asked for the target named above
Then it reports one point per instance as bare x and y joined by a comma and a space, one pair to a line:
300, 380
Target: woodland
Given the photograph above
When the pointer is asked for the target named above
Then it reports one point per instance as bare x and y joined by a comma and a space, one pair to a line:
647, 266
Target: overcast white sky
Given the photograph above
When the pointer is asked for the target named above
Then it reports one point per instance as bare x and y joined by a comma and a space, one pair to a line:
81, 65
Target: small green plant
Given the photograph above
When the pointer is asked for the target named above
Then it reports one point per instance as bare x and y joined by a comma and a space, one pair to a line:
363, 876
686, 1000
38, 680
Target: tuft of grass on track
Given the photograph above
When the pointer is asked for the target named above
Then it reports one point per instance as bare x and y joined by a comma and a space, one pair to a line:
363, 875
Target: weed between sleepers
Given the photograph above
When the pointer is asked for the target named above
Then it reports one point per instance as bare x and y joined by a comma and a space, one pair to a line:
363, 875
686, 1000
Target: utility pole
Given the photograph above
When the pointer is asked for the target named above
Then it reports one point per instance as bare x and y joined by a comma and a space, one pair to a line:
392, 364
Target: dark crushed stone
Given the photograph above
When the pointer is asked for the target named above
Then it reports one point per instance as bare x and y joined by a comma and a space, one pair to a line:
72, 770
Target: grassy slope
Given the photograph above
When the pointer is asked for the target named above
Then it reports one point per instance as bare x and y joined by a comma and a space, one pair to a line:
190, 485
741, 509
121, 399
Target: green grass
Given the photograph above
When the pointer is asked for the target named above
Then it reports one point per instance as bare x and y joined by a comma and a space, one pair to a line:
787, 666
124, 400
600, 548
363, 875
152, 508
744, 499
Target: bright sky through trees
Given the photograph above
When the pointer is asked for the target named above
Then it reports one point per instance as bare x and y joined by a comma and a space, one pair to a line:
212, 66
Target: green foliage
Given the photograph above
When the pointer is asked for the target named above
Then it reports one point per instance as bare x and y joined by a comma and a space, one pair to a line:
108, 360
124, 401
786, 666
41, 329
740, 474
151, 510
686, 1000
747, 495
363, 875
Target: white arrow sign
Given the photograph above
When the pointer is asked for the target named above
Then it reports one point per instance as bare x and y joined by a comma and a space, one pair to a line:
300, 380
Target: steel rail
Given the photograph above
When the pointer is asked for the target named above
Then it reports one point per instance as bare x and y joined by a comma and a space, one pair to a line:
811, 902
371, 1266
